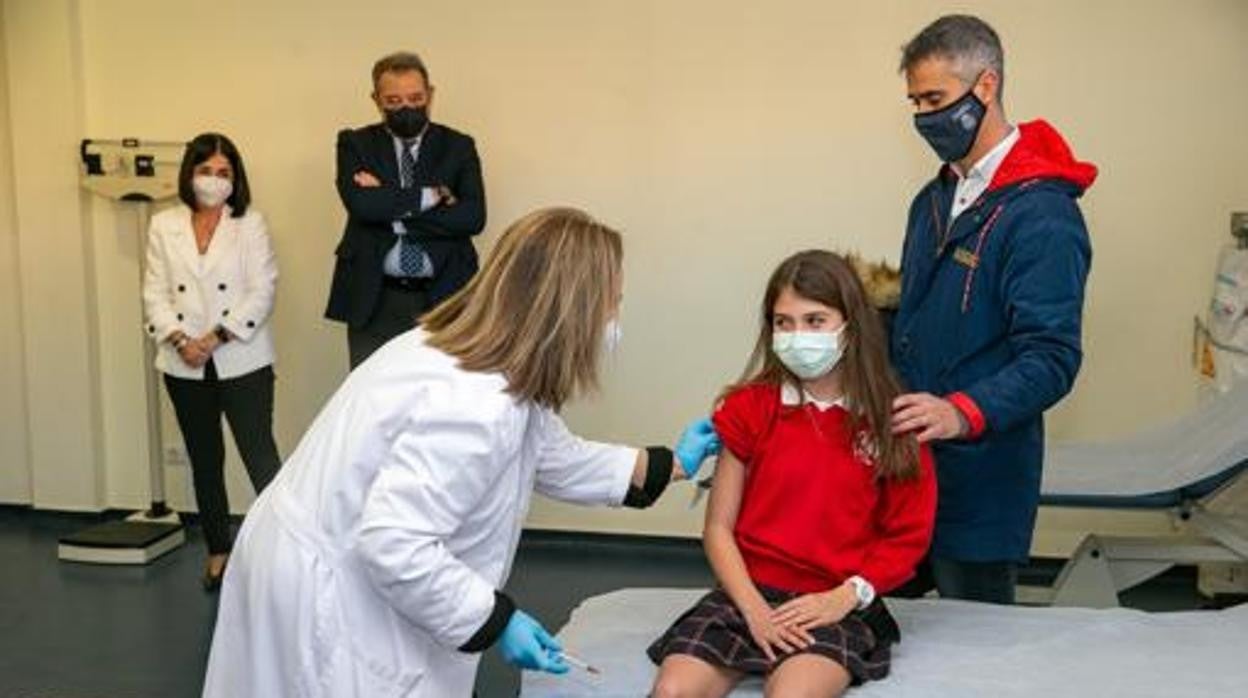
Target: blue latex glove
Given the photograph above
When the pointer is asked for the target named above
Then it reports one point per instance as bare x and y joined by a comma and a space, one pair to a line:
698, 443
526, 644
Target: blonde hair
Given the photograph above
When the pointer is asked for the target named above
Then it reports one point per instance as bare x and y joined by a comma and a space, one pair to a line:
537, 310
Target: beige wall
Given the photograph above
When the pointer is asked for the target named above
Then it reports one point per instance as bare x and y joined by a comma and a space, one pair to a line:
56, 267
719, 135
14, 457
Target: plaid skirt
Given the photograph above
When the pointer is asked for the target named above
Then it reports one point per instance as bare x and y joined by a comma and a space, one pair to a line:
715, 631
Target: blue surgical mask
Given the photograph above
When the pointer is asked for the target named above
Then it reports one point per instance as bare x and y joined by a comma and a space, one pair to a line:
951, 131
809, 355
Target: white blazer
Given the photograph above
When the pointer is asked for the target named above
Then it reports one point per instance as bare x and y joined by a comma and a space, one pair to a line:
231, 285
376, 551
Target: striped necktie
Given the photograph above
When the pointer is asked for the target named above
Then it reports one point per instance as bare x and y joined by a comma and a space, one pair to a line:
413, 260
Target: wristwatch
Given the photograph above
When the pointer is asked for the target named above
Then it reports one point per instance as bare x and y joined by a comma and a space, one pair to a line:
863, 591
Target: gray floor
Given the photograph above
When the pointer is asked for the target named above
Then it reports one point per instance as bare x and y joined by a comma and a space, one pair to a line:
84, 631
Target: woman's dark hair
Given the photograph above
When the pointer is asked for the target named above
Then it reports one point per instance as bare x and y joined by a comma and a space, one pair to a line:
202, 147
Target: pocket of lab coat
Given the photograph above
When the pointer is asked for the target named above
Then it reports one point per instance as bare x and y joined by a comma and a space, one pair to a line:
361, 653
354, 648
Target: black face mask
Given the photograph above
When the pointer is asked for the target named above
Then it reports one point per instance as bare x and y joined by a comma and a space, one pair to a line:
407, 122
951, 131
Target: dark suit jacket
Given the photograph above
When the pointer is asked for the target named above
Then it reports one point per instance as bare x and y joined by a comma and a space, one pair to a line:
448, 158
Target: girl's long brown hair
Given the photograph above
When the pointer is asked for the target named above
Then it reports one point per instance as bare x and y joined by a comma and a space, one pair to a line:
868, 380
537, 310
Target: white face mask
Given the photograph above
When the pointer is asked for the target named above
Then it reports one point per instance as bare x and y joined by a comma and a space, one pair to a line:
211, 191
809, 355
612, 336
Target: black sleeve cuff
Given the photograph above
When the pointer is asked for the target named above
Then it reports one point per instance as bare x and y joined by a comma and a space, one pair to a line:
659, 463
489, 633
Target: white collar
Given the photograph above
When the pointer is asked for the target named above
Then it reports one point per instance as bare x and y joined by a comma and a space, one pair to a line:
792, 396
412, 144
984, 168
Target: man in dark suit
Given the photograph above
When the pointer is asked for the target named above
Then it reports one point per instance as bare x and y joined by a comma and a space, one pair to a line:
414, 200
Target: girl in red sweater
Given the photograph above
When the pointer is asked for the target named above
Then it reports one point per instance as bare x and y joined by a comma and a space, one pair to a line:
817, 507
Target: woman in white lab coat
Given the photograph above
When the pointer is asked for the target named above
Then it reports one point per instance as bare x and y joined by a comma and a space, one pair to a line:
372, 566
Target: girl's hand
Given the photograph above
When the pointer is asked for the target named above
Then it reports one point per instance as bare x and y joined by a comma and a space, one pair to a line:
816, 610
772, 637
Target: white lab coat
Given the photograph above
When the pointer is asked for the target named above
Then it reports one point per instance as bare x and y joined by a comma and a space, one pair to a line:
376, 551
231, 285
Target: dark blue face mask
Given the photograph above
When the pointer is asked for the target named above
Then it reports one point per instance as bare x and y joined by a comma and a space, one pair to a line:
951, 130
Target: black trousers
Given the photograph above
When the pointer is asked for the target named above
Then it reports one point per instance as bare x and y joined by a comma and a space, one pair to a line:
987, 582
396, 313
247, 403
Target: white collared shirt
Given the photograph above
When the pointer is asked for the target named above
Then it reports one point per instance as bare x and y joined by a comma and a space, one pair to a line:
792, 396
428, 198
975, 182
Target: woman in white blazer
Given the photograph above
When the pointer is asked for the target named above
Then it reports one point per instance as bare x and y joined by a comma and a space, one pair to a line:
371, 567
208, 293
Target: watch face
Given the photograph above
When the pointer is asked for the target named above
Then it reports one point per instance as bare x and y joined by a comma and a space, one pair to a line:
863, 591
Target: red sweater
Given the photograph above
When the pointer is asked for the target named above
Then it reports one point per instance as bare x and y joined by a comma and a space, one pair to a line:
813, 513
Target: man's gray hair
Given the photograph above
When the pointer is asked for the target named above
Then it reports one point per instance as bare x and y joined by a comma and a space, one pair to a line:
967, 42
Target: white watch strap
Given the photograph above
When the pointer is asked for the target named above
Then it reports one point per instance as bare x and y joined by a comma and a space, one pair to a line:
862, 590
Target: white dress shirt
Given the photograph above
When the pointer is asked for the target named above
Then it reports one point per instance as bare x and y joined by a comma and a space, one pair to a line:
792, 396
975, 182
428, 199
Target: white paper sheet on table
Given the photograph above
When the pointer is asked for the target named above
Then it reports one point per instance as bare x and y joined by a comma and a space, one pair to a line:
952, 649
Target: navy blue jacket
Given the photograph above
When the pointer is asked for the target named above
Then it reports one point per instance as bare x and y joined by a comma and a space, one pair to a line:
990, 315
448, 158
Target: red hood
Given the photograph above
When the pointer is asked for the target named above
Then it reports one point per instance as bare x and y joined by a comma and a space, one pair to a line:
1041, 152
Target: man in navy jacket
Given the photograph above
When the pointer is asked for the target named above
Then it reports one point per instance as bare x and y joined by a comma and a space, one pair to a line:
987, 335
415, 199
